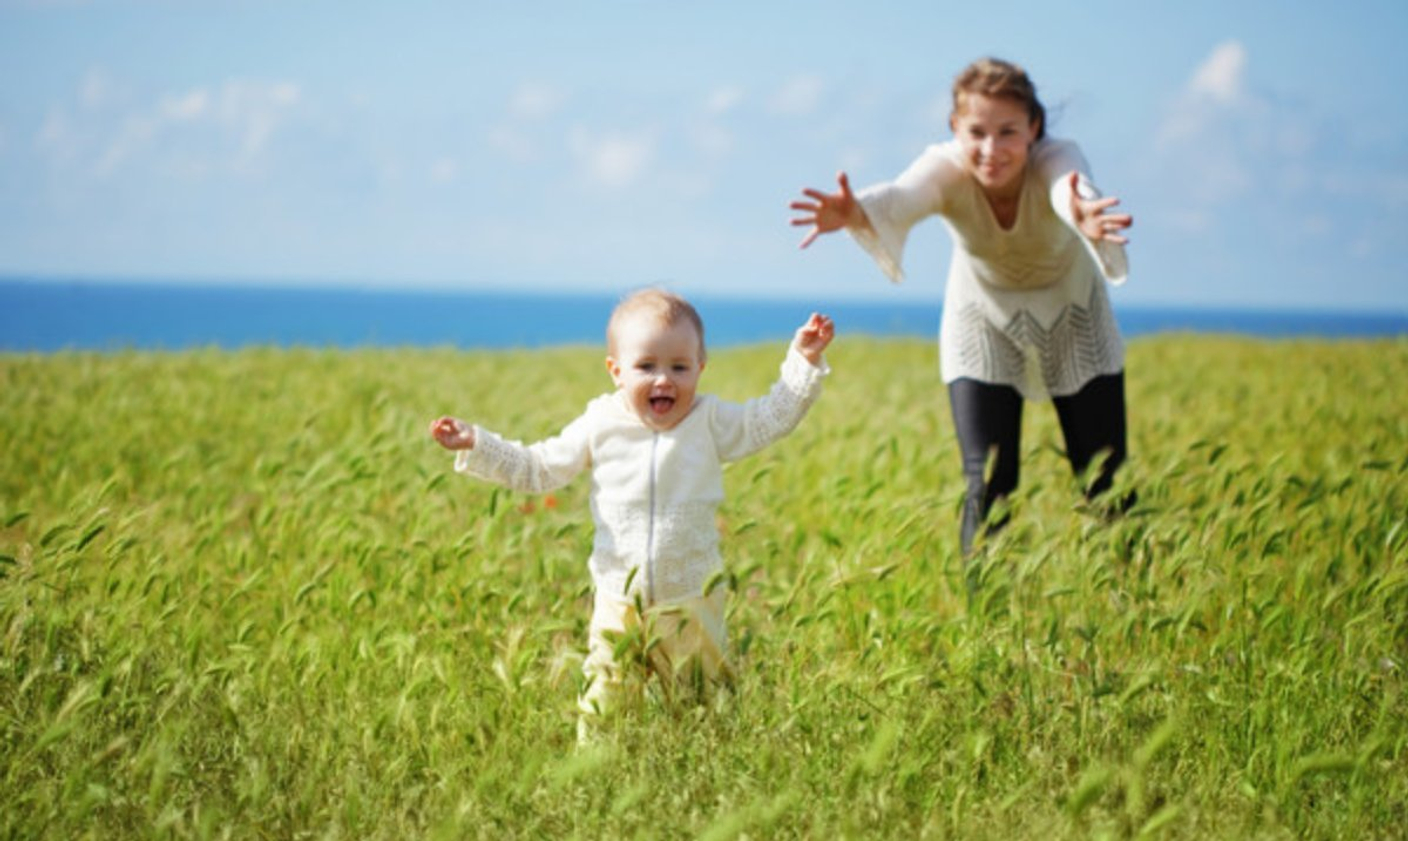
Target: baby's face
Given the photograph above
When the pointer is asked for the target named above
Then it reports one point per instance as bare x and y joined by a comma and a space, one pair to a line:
657, 368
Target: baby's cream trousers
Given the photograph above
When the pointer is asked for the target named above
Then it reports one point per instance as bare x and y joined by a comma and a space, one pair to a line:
682, 642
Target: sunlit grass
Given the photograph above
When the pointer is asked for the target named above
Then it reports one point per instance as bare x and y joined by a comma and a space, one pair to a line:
242, 595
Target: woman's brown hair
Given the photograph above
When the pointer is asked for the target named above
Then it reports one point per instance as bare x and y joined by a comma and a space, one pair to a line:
1001, 80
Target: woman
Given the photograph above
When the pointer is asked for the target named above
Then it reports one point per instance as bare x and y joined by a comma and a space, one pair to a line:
1025, 313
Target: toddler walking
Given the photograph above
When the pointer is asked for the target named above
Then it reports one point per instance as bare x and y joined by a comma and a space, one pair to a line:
655, 450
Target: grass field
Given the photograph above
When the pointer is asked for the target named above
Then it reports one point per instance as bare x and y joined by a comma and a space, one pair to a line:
242, 595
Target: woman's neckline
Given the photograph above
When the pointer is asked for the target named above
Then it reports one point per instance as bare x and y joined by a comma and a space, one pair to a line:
1004, 225
1015, 204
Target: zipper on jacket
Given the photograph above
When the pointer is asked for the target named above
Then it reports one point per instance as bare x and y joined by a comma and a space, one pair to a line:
650, 527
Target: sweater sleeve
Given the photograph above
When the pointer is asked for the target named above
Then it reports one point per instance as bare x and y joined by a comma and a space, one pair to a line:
1058, 159
740, 429
531, 468
895, 207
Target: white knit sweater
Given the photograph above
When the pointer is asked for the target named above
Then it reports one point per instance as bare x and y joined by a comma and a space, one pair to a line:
1024, 306
654, 494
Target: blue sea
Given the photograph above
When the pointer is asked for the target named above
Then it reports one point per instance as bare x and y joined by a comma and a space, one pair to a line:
48, 315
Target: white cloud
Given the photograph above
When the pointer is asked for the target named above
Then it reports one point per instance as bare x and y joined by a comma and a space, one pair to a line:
614, 160
723, 100
191, 106
1388, 190
136, 133
707, 133
799, 96
1228, 156
1214, 136
1185, 220
939, 109
191, 131
54, 136
285, 94
535, 101
514, 144
252, 111
712, 140
444, 170
1214, 92
73, 129
1219, 77
1316, 225
852, 159
98, 89
530, 104
690, 185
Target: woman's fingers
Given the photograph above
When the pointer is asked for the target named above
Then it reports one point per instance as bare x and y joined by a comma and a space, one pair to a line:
1111, 225
825, 212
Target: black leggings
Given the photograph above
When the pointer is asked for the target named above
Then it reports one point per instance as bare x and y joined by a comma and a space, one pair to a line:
988, 418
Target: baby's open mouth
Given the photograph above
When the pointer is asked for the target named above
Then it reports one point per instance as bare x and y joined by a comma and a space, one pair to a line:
662, 405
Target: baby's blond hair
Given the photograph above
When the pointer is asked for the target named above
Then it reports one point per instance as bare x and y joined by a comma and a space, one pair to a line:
667, 308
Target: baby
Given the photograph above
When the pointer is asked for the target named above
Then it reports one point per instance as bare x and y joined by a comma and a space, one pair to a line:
655, 450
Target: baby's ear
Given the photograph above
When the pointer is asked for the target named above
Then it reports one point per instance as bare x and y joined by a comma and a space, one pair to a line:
614, 370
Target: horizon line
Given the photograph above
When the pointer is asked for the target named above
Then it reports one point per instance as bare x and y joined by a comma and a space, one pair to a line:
418, 288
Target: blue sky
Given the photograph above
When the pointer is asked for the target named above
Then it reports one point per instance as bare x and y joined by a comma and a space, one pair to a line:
599, 146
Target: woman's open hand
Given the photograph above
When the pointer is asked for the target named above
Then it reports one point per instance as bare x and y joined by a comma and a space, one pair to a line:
827, 212
1093, 220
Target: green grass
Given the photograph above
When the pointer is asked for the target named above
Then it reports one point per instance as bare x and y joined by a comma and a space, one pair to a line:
242, 595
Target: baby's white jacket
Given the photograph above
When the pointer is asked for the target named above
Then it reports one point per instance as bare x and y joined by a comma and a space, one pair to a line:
654, 493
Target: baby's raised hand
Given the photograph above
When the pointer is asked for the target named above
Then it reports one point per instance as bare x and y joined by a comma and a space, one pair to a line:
452, 433
813, 337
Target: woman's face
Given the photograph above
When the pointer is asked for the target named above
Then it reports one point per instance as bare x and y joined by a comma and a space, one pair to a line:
995, 135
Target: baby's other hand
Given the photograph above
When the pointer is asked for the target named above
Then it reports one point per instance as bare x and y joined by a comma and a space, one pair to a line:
452, 433
813, 337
